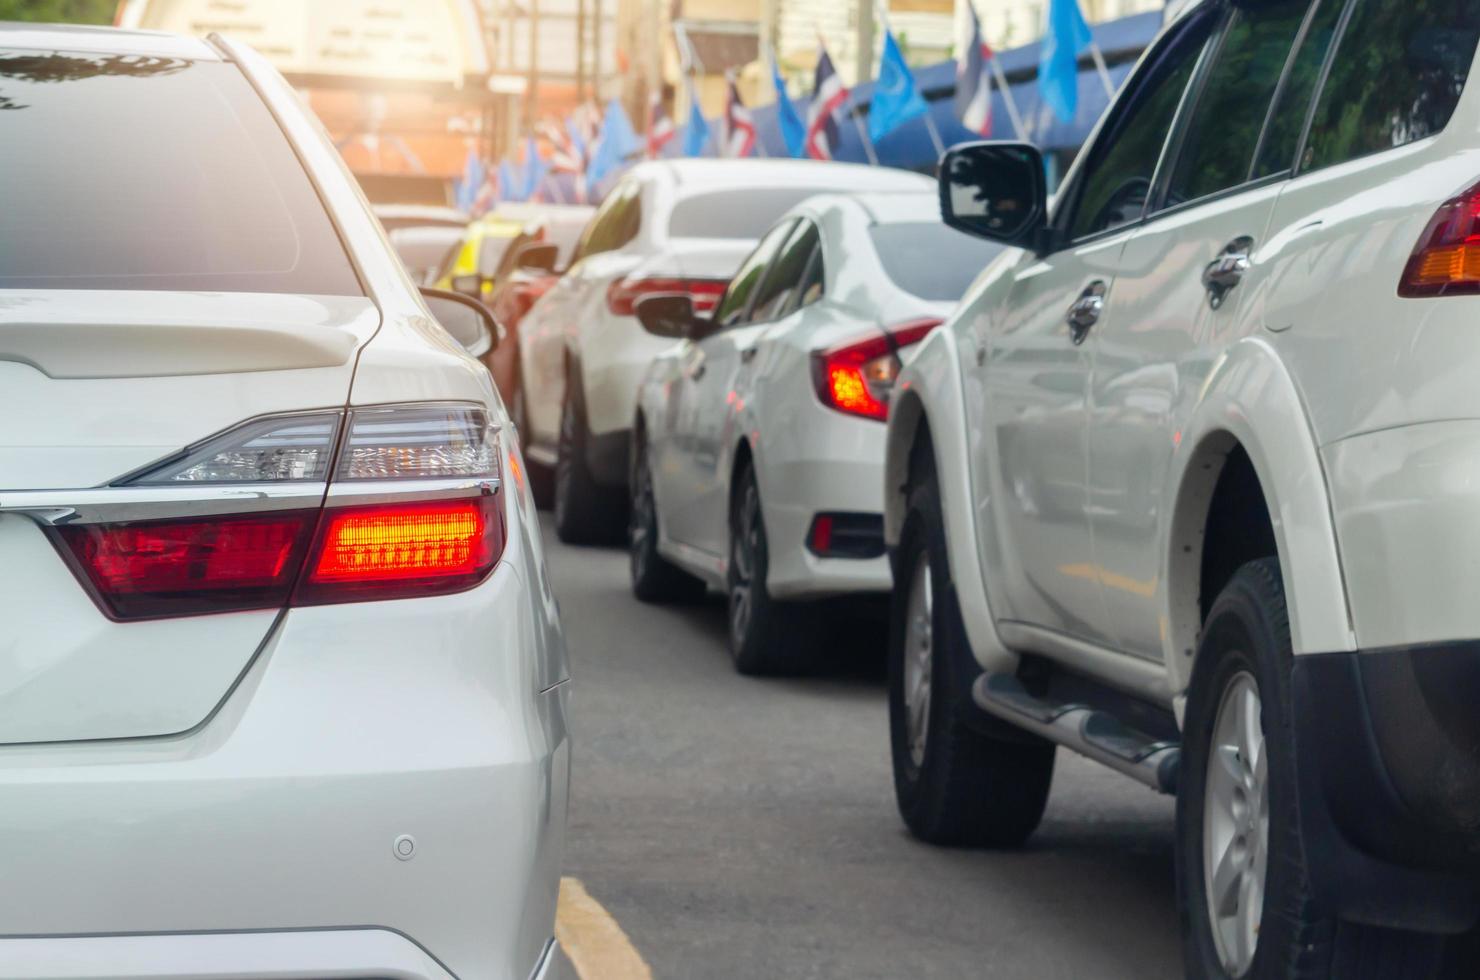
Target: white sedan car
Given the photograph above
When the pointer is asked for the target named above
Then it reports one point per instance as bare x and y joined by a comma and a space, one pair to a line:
671, 225
759, 438
282, 686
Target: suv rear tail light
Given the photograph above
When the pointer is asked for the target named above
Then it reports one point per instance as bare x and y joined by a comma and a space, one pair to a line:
856, 378
148, 569
622, 296
1446, 261
435, 524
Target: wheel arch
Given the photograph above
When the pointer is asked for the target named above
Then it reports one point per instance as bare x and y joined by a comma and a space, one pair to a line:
1248, 477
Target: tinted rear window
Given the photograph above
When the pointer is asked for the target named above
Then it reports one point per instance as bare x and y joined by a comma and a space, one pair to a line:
130, 172
1397, 75
929, 260
743, 214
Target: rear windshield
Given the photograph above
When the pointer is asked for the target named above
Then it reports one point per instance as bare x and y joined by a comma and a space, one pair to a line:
746, 214
929, 260
134, 172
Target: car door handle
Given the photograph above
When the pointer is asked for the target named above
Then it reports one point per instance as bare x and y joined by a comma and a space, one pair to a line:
1227, 270
1086, 311
747, 354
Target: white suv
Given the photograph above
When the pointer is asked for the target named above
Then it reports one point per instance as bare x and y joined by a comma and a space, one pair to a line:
1190, 484
668, 226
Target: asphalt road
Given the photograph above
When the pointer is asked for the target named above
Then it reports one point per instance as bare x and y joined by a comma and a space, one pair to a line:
746, 828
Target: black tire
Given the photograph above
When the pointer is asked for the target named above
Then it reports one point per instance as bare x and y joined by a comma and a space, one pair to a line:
963, 786
585, 512
765, 636
654, 578
541, 477
1247, 637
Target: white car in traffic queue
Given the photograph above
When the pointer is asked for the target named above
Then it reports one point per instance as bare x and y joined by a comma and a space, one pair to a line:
282, 683
669, 225
758, 441
1188, 485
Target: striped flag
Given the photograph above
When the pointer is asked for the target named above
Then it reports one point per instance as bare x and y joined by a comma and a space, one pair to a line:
660, 128
973, 85
828, 97
564, 158
739, 126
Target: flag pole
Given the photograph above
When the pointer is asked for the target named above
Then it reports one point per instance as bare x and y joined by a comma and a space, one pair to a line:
940, 147
1005, 88
868, 144
1100, 66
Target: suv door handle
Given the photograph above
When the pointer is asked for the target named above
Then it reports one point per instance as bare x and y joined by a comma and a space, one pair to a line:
1086, 311
1227, 270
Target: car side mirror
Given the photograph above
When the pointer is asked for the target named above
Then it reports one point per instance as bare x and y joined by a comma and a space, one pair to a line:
995, 190
470, 323
669, 315
470, 285
537, 257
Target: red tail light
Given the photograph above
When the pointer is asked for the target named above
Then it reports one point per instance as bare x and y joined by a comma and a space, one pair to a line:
856, 378
387, 552
622, 296
1446, 261
147, 569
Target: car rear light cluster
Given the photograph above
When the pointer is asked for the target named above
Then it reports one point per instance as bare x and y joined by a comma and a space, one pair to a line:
435, 525
623, 295
856, 378
1447, 259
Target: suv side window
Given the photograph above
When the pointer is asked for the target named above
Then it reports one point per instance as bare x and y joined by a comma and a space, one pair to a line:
773, 298
734, 304
1117, 180
1292, 103
1396, 76
1223, 128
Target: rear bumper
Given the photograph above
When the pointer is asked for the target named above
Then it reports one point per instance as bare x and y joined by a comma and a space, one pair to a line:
269, 834
1388, 761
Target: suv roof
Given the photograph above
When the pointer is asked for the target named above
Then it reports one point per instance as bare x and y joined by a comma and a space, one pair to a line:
103, 40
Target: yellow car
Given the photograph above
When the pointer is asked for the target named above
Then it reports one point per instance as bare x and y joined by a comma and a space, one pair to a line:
470, 265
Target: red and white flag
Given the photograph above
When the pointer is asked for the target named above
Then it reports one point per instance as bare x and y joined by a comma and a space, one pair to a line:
828, 97
973, 84
660, 128
739, 126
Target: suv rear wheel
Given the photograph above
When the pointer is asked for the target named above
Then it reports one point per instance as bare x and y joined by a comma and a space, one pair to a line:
654, 578
955, 783
1244, 891
585, 512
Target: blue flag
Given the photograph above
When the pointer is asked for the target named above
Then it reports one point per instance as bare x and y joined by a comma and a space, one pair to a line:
793, 130
614, 144
696, 133
509, 185
472, 180
896, 99
534, 169
1058, 64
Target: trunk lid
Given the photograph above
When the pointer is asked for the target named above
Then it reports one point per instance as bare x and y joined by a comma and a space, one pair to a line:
95, 384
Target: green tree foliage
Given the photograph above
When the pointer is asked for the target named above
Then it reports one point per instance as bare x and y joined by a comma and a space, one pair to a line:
59, 11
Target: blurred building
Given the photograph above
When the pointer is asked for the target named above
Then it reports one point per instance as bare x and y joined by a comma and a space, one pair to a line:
404, 87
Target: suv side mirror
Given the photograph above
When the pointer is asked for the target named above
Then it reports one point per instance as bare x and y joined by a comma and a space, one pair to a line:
668, 315
470, 285
995, 190
470, 322
537, 257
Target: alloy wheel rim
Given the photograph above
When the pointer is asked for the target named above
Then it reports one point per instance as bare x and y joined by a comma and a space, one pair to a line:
1236, 825
919, 651
744, 547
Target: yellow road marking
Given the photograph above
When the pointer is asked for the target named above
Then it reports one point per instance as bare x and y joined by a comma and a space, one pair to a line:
595, 945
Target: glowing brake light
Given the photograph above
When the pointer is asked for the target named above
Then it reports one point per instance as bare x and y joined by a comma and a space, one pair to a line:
623, 295
414, 548
856, 378
1446, 261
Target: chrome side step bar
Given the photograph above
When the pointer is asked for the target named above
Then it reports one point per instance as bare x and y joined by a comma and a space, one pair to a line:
1092, 733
